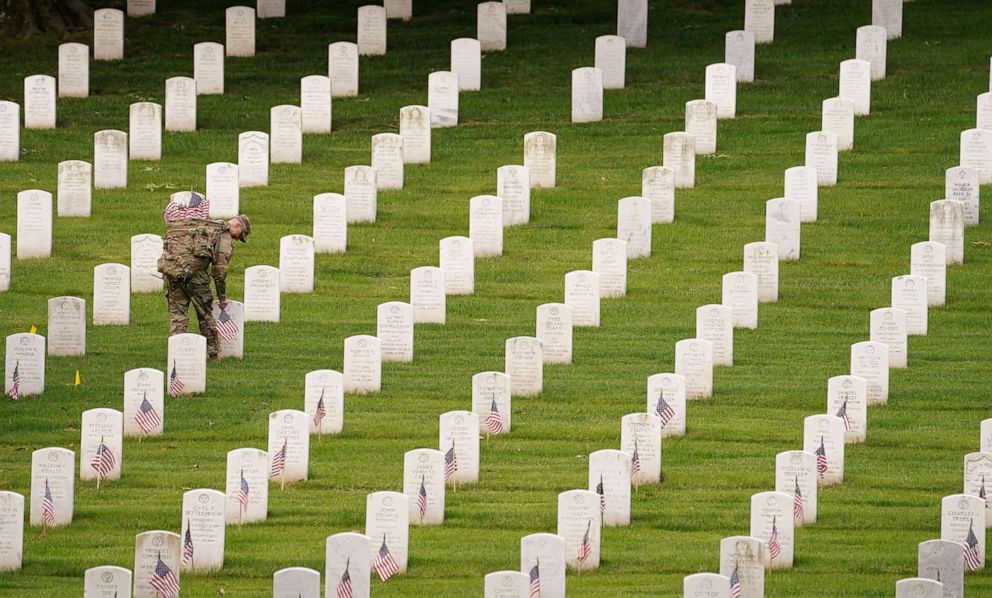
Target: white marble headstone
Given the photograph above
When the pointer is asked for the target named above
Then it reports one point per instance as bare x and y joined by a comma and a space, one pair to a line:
4, 262
641, 434
761, 259
330, 223
394, 329
111, 295
740, 293
180, 104
66, 326
423, 484
399, 9
679, 155
582, 294
371, 31
821, 154
715, 323
870, 361
415, 129
361, 190
759, 19
942, 558
587, 95
151, 548
513, 189
978, 478
694, 362
459, 436
107, 582
110, 159
632, 22
611, 60
324, 391
872, 45
848, 395
506, 584
108, 34
666, 398
783, 223
909, 293
710, 585
315, 104
825, 434
837, 117
347, 564
427, 295
700, 122
634, 225
547, 553
457, 259
554, 330
959, 514
962, 183
888, 14
289, 429
268, 9
491, 26
927, 259
486, 388
540, 158
486, 225
362, 364
140, 8
888, 325
140, 385
579, 524
11, 531
795, 475
976, 152
10, 131
253, 159
286, 134
801, 185
609, 263
517, 7
721, 89
739, 52
75, 188
387, 521
442, 99
232, 345
296, 261
342, 69
609, 469
296, 582
74, 70
247, 468
262, 294
223, 189
983, 111
53, 469
387, 160
104, 427
39, 102
25, 352
524, 363
240, 31
145, 131
855, 84
186, 369
658, 185
919, 588
947, 228
203, 520
208, 68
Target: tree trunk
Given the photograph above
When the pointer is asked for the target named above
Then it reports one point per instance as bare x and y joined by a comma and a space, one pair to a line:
25, 18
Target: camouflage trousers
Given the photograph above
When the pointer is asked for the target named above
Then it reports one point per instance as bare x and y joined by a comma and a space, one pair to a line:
178, 296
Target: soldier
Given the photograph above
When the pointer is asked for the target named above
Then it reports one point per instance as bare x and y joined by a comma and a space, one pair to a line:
198, 250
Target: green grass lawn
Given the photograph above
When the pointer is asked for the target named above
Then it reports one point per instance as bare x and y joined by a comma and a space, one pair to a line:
868, 528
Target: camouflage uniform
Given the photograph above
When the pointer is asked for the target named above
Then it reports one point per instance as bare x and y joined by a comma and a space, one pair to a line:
196, 290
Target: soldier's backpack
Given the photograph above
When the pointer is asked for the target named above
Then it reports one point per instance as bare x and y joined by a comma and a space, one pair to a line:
188, 246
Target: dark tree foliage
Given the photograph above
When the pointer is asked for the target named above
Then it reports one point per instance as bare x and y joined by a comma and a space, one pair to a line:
25, 18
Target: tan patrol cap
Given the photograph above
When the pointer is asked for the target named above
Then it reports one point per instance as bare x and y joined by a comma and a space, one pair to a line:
245, 227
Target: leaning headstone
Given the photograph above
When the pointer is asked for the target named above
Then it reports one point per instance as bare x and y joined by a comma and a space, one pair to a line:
941, 559
53, 479
554, 330
10, 131
323, 401
423, 484
634, 226
927, 260
837, 117
740, 293
486, 225
180, 104
746, 556
101, 444
759, 19
347, 565
524, 364
268, 9
361, 192
579, 523
610, 477
74, 70
156, 556
976, 152
362, 364
315, 104
870, 360
457, 259
694, 362
582, 294
919, 588
640, 435
458, 439
587, 95
888, 14
427, 295
667, 399
847, 398
800, 184
394, 329
821, 154
144, 403
223, 189
108, 34
262, 294
371, 31
398, 9
947, 228
289, 444
783, 225
909, 293
466, 63
110, 159
540, 158
66, 326
75, 188
773, 522
107, 582
34, 224
247, 486
25, 354
872, 46
700, 122
387, 524
823, 435
203, 528
721, 89
739, 52
11, 531
513, 190
962, 183
978, 478
330, 223
611, 60
761, 259
962, 518
140, 8
253, 159
442, 99
296, 261
632, 22
4, 262
342, 69
296, 582
710, 585
679, 155
544, 554
491, 26
609, 263
491, 389
795, 475
187, 365
231, 326
415, 129
240, 31
286, 134
145, 131
208, 68
855, 84
658, 185
888, 325
715, 323
506, 584
387, 160
39, 102
111, 295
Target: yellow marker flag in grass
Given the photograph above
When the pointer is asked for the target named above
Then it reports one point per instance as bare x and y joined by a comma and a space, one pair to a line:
34, 329
78, 381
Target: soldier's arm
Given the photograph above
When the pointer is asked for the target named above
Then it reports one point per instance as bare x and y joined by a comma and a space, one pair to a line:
222, 257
